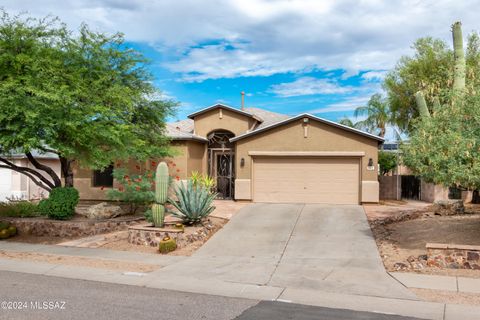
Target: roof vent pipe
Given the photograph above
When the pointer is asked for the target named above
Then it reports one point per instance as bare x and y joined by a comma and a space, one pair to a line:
243, 100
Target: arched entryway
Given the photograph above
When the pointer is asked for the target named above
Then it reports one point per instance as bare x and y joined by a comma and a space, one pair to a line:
221, 162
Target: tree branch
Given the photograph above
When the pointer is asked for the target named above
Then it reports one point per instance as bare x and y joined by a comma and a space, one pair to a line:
47, 150
56, 180
31, 172
37, 182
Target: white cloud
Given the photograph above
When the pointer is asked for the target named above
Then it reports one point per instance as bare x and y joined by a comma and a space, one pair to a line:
374, 75
269, 36
348, 104
309, 86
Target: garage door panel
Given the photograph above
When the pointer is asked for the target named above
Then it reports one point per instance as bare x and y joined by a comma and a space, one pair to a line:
310, 180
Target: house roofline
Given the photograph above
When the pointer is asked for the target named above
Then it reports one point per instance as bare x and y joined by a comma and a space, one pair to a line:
224, 106
195, 138
303, 115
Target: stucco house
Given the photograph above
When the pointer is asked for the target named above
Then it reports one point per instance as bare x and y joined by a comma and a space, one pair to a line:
261, 156
14, 185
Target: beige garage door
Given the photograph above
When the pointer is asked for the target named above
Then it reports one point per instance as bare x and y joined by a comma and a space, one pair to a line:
306, 180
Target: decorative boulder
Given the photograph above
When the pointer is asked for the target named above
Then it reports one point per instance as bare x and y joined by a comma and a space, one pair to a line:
103, 210
448, 207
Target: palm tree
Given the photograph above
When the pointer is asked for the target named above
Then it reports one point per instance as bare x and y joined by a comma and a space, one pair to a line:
349, 123
378, 115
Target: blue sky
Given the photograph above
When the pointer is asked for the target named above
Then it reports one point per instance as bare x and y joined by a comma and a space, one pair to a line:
324, 93
322, 57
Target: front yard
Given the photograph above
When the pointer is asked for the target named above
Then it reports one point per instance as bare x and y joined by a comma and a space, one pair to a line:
402, 231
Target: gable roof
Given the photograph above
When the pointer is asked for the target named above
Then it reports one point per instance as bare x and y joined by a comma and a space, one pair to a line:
307, 115
224, 106
268, 117
182, 130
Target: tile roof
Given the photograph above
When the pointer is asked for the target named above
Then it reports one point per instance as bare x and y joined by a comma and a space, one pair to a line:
35, 153
267, 119
183, 129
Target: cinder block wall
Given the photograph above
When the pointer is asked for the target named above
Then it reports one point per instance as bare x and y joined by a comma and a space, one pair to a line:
390, 187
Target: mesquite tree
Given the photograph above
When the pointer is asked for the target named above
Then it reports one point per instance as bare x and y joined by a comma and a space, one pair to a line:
84, 96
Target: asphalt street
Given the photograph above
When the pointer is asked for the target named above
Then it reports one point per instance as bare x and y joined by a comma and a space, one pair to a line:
27, 296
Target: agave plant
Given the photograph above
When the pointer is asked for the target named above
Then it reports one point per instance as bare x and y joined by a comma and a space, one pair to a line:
208, 182
194, 202
196, 178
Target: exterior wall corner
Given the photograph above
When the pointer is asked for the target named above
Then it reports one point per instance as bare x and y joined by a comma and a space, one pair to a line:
243, 189
370, 191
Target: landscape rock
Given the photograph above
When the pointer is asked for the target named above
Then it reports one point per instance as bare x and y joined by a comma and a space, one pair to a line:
104, 210
473, 256
423, 257
400, 266
448, 207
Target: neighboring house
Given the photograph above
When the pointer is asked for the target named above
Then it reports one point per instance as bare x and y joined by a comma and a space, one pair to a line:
262, 156
14, 185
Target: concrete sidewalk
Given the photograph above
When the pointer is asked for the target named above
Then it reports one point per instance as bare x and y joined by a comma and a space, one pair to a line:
434, 282
411, 308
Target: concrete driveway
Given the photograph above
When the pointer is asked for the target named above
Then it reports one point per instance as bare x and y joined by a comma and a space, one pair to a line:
317, 247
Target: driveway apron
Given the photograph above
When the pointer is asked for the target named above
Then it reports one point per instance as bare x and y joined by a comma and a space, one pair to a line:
307, 246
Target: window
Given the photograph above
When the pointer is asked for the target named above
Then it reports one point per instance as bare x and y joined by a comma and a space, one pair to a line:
103, 178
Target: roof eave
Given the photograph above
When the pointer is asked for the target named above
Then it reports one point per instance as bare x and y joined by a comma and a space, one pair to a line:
220, 105
303, 115
195, 138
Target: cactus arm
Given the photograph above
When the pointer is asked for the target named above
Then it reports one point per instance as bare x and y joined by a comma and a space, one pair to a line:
459, 56
422, 105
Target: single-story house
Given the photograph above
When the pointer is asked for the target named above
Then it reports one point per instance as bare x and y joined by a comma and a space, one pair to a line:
263, 156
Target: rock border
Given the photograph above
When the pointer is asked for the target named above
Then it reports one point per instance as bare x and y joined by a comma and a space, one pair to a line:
147, 235
453, 256
71, 228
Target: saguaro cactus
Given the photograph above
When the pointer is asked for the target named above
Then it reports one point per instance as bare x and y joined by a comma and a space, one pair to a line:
458, 72
161, 194
459, 56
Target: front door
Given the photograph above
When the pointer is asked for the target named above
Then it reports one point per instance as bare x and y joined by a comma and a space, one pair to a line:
223, 173
221, 164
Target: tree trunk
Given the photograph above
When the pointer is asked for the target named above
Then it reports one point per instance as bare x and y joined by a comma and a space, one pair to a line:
67, 172
56, 179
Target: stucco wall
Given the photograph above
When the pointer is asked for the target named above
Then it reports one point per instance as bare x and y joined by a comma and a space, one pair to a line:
83, 177
197, 157
24, 187
431, 192
321, 137
317, 137
222, 119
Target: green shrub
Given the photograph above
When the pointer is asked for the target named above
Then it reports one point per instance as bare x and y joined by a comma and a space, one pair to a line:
20, 209
61, 203
194, 202
134, 189
148, 215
